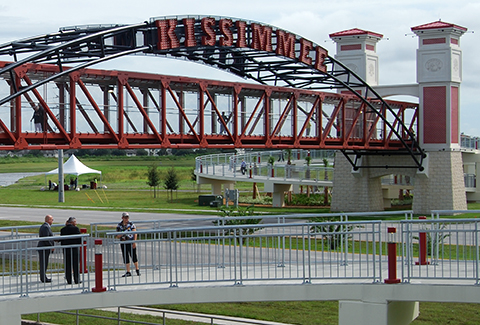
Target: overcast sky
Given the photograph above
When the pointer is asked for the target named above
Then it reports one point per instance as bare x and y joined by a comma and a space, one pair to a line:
312, 19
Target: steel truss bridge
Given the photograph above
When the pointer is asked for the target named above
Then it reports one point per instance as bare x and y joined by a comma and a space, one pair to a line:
287, 108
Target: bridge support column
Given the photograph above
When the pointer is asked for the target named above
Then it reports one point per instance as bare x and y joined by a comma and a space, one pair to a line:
442, 186
217, 188
377, 313
216, 184
278, 193
355, 191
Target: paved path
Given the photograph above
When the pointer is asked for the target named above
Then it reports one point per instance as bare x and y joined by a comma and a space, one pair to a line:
11, 178
192, 317
86, 217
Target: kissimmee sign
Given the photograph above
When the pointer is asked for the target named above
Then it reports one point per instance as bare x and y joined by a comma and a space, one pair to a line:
207, 32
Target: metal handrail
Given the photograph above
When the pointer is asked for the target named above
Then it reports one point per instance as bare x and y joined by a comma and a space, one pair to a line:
212, 319
258, 166
274, 248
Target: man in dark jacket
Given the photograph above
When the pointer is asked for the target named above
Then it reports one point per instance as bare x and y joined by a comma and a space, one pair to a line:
38, 118
44, 253
70, 253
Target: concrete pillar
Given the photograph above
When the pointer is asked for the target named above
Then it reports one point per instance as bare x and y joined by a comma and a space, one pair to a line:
439, 187
362, 190
216, 184
354, 191
278, 192
377, 313
217, 188
442, 188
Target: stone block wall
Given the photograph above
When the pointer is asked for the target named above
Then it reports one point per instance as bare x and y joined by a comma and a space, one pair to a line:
440, 188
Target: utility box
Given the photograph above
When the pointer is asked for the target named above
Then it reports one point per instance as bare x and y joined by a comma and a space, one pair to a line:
204, 200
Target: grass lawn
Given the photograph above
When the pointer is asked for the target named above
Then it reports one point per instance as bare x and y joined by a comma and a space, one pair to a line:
126, 186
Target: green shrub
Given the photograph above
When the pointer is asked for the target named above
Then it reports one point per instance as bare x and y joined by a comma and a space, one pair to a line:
265, 200
304, 200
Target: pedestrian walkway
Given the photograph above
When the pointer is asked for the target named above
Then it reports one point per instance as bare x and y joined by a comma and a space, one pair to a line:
284, 175
11, 178
277, 261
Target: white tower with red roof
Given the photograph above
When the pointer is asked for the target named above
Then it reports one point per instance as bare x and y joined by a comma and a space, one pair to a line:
439, 74
356, 48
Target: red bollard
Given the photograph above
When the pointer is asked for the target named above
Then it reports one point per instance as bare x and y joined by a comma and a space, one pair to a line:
422, 242
98, 267
201, 168
250, 171
83, 253
392, 257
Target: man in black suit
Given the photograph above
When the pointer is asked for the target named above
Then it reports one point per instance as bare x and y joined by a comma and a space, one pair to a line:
44, 253
71, 252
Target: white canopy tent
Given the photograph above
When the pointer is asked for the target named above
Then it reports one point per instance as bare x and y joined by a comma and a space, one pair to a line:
73, 166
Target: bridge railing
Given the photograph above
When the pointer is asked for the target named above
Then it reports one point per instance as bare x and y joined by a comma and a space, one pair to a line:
469, 142
19, 265
99, 229
233, 254
24, 231
440, 249
290, 250
258, 165
257, 249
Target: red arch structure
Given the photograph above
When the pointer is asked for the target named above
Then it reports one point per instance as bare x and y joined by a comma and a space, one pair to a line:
87, 108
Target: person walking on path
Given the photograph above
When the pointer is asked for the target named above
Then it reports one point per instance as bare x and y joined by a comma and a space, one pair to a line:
71, 253
129, 249
44, 253
243, 167
38, 118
